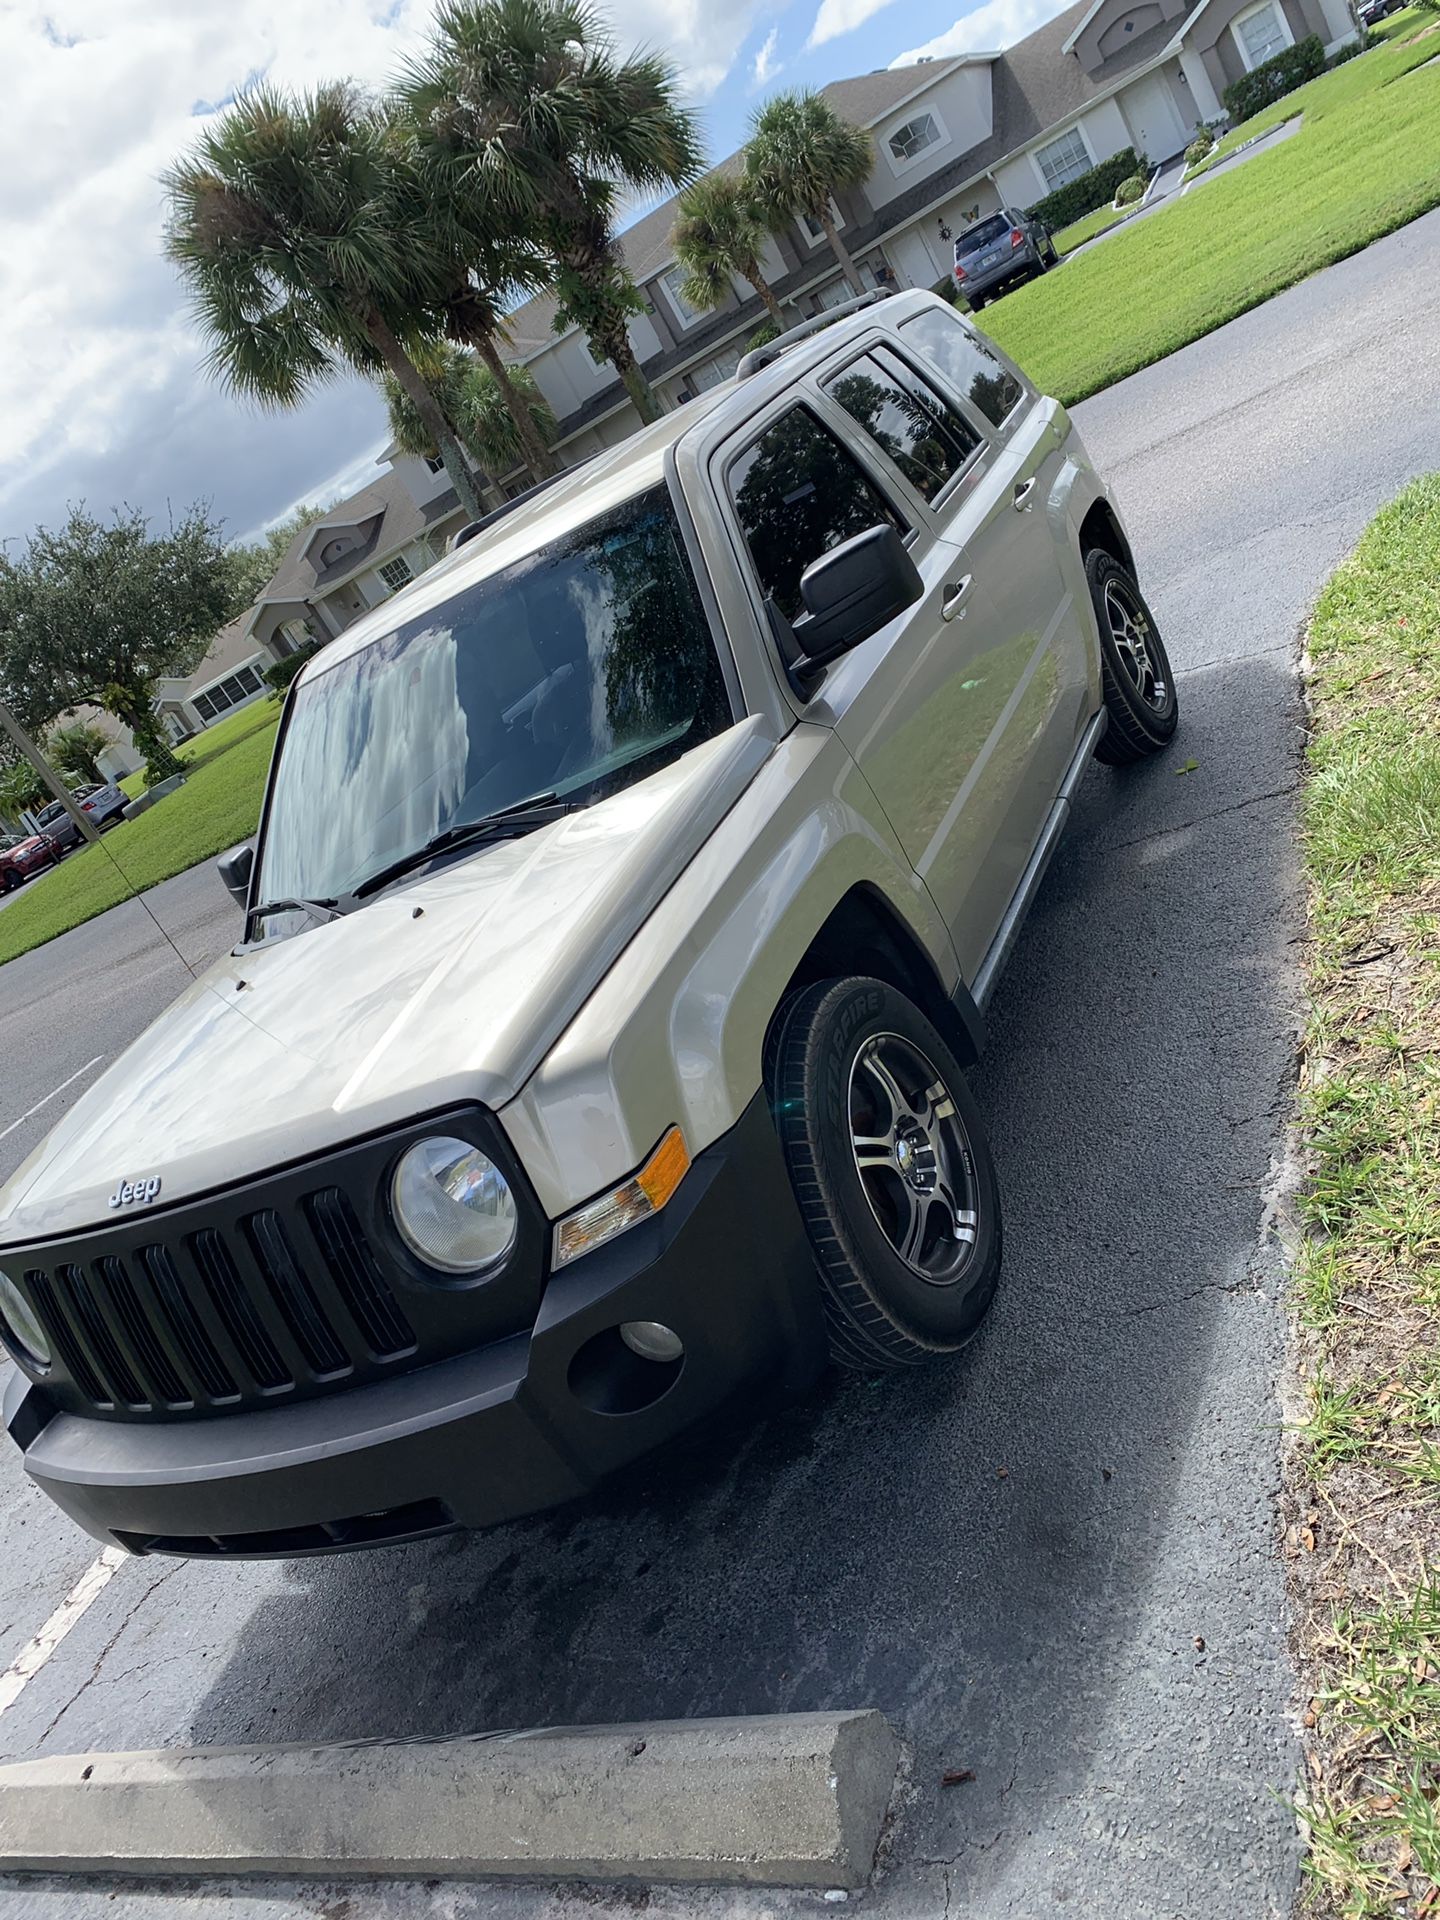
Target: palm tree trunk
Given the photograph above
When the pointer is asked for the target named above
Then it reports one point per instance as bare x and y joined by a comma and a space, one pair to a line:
538, 457
842, 252
767, 293
413, 386
616, 349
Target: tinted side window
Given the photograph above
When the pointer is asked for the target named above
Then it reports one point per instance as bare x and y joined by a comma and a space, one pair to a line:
927, 441
965, 361
797, 494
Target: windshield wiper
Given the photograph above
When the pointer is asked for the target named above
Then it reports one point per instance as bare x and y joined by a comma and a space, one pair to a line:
321, 911
504, 824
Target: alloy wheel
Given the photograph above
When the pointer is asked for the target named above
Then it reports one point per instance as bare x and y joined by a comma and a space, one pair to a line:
914, 1158
1133, 635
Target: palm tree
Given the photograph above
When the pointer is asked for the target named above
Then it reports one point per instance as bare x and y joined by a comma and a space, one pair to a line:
532, 114
488, 425
721, 233
286, 224
801, 154
479, 409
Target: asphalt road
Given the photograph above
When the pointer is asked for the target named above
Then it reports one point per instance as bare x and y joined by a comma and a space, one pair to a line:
1016, 1555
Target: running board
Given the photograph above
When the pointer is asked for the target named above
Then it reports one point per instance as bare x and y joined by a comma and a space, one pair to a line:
993, 964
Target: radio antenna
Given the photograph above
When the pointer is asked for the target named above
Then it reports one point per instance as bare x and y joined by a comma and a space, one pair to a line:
88, 829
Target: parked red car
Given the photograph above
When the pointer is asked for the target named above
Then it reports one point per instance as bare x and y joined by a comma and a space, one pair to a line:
21, 855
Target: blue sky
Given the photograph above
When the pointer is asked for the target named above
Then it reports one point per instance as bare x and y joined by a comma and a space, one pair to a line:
102, 393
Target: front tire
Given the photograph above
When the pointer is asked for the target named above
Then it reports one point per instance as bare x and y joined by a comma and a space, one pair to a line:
1137, 681
888, 1158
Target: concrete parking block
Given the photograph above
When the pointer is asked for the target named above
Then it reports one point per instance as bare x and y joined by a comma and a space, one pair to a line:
785, 1800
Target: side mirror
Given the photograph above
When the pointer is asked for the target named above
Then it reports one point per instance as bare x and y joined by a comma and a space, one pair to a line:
851, 592
235, 870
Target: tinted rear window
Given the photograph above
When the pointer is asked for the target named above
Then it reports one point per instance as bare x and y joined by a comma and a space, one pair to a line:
942, 339
982, 233
903, 414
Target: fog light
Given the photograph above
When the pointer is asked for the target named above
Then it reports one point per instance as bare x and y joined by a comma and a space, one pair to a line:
652, 1341
25, 1334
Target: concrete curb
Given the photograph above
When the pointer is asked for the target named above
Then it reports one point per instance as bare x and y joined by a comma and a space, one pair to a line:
792, 1800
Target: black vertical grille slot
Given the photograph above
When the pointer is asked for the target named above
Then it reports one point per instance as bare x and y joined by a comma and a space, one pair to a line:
294, 1295
85, 1309
56, 1323
357, 1276
237, 1310
150, 1356
187, 1329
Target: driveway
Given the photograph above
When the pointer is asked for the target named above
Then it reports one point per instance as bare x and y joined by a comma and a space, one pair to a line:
1051, 1561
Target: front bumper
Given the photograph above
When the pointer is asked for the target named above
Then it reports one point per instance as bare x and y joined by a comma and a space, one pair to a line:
522, 1424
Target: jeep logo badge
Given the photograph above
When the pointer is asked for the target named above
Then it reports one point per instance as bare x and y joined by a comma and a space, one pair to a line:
131, 1193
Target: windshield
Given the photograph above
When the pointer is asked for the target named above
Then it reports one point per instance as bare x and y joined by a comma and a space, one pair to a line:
574, 672
981, 234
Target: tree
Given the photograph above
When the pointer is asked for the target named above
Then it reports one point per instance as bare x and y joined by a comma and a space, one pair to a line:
479, 408
487, 424
527, 111
75, 749
720, 233
292, 226
99, 611
21, 790
801, 154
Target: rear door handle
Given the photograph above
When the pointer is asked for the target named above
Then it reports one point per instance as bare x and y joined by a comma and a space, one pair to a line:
1022, 495
952, 607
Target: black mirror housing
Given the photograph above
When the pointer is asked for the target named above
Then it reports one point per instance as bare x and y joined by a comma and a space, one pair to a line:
851, 592
235, 869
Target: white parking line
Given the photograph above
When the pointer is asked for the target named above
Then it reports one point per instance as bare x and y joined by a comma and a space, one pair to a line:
31, 1111
86, 1590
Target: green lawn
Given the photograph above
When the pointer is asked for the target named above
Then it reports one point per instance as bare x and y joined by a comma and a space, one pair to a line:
1362, 165
1336, 89
218, 805
1363, 1537
259, 716
1086, 228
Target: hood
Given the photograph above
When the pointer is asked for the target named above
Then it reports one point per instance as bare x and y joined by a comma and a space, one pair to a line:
448, 990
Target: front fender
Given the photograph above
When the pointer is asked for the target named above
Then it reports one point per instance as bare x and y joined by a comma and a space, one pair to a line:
674, 1032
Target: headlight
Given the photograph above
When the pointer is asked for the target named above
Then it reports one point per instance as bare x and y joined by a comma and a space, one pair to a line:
21, 1327
453, 1206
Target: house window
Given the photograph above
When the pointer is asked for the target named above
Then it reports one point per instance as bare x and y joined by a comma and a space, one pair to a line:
1262, 34
1064, 159
812, 229
671, 282
230, 692
396, 573
835, 295
915, 136
434, 463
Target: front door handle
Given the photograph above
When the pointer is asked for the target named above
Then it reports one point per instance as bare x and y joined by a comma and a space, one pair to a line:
952, 607
1022, 495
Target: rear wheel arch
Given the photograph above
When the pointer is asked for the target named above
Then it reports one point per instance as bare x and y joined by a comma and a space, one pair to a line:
863, 934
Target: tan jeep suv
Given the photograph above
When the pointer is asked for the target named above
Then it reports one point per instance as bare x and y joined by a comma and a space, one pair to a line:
617, 937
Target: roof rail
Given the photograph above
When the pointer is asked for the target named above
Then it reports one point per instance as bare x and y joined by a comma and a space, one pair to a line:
759, 357
469, 531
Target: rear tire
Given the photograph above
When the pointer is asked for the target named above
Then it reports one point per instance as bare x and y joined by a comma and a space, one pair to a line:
887, 1154
1136, 678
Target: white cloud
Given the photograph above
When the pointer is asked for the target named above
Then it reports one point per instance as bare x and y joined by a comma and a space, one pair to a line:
991, 27
765, 66
842, 16
101, 394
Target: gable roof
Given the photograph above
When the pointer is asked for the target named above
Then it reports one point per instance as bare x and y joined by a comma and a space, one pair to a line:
395, 519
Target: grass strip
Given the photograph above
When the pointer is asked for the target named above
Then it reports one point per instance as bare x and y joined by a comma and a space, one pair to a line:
1362, 164
218, 805
1363, 1533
